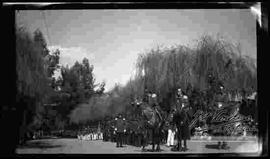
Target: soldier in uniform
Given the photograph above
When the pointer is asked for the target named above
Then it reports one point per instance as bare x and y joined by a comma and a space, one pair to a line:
155, 105
221, 98
182, 121
125, 134
120, 130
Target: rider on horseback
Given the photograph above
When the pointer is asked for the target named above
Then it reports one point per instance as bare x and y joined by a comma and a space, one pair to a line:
151, 121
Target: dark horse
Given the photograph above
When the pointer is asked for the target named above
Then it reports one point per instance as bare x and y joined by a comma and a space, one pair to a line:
153, 121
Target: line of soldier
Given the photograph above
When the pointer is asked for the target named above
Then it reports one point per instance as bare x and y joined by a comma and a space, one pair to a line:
90, 134
123, 135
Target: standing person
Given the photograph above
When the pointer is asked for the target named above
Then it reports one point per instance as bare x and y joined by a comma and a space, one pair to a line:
182, 122
124, 140
171, 133
120, 129
171, 130
221, 98
222, 144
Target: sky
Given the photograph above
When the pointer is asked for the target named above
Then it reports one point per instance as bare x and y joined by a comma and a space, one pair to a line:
112, 39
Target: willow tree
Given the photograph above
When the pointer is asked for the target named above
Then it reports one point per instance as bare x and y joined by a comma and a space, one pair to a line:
164, 70
224, 61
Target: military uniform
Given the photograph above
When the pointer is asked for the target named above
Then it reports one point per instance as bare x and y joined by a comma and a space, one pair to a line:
120, 130
221, 99
183, 133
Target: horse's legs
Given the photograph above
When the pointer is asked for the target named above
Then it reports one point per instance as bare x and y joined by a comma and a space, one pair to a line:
158, 141
153, 139
158, 144
181, 145
185, 144
144, 142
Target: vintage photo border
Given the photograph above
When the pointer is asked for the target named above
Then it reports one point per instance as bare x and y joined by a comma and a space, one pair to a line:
9, 108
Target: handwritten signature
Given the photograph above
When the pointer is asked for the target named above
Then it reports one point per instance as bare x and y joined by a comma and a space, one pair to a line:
221, 118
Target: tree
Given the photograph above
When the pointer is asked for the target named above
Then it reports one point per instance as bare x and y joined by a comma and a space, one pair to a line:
77, 85
32, 82
164, 70
87, 78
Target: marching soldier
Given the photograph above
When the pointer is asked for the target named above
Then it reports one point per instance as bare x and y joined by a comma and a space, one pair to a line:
120, 130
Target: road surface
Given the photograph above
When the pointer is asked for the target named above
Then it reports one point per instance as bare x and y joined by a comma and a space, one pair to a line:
75, 146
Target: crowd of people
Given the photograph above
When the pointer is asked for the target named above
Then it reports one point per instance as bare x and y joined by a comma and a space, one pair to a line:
172, 136
118, 131
122, 134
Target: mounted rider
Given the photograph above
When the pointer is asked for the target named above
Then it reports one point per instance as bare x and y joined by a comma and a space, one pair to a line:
152, 120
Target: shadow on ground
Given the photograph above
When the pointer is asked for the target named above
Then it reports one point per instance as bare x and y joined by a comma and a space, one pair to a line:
148, 150
38, 144
212, 146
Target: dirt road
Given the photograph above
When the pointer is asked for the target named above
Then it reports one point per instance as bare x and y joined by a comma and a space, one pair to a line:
75, 146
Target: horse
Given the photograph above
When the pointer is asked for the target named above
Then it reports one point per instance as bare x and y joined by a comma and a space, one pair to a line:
152, 121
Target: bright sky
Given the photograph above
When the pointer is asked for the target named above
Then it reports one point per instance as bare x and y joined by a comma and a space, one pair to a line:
112, 39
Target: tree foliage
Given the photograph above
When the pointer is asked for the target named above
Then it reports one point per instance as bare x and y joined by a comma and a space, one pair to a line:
47, 101
77, 98
198, 71
32, 77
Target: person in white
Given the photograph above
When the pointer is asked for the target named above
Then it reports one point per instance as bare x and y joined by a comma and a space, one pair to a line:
170, 139
101, 136
171, 133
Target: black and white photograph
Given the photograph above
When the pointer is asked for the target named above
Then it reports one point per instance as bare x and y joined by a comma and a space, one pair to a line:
137, 81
